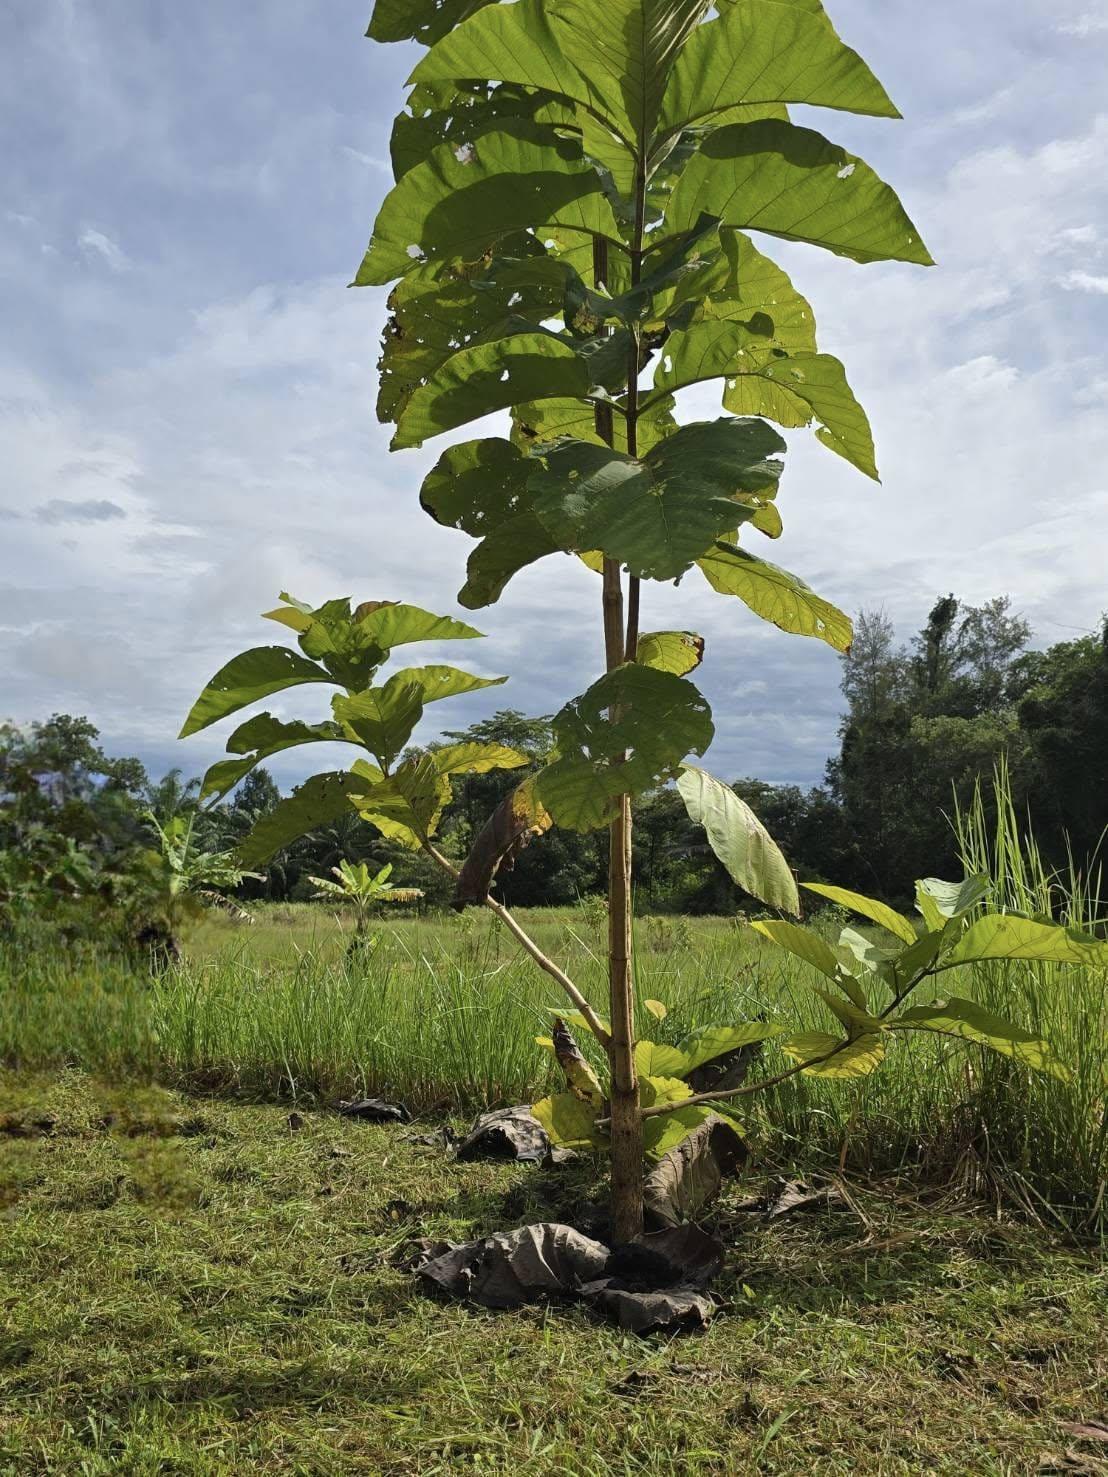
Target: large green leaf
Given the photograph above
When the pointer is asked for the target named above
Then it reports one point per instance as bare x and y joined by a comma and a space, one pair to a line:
854, 1059
481, 487
407, 805
877, 912
438, 682
436, 312
422, 20
569, 1122
953, 899
257, 739
658, 513
796, 389
666, 1130
630, 730
738, 838
705, 1045
625, 49
679, 652
493, 375
245, 679
776, 595
399, 625
759, 295
965, 1018
475, 758
452, 208
1005, 936
382, 718
759, 52
537, 424
802, 942
509, 43
320, 801
791, 182
707, 350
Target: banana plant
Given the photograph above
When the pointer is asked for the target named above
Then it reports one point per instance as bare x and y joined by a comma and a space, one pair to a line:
569, 241
353, 885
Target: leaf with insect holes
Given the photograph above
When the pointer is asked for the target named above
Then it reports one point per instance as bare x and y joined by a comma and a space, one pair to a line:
797, 389
658, 719
659, 513
679, 652
463, 201
791, 182
319, 801
775, 595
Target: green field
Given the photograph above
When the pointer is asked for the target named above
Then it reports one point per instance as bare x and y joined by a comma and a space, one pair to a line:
194, 1281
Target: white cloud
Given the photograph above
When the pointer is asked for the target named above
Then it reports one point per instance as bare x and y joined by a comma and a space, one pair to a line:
104, 247
1092, 23
1084, 282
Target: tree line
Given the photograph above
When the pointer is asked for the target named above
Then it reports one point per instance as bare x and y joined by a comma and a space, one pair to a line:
924, 723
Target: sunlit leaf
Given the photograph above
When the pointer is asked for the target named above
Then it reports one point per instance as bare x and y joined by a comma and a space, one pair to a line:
678, 652
738, 838
791, 182
569, 1122
850, 1059
776, 595
967, 1019
795, 390
877, 912
1005, 936
705, 1045
463, 200
245, 679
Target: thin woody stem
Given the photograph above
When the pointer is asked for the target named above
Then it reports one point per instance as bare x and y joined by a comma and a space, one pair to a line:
542, 960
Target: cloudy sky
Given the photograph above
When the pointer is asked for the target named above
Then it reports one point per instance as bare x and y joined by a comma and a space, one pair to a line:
187, 385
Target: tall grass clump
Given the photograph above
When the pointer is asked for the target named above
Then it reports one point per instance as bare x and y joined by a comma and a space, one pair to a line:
1050, 1137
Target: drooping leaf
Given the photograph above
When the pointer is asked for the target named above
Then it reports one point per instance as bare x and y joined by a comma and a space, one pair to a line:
760, 53
857, 1020
739, 840
853, 1059
776, 595
658, 513
967, 1019
462, 201
515, 822
679, 652
705, 1045
1005, 936
481, 487
583, 1081
569, 1122
245, 679
795, 390
877, 912
802, 942
320, 801
655, 720
257, 739
791, 182
492, 375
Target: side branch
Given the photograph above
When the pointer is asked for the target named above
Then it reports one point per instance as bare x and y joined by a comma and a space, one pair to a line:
542, 960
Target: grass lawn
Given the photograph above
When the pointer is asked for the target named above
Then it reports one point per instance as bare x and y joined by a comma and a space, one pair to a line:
198, 1287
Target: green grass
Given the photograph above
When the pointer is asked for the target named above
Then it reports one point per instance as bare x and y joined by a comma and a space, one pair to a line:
199, 1288
444, 1015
